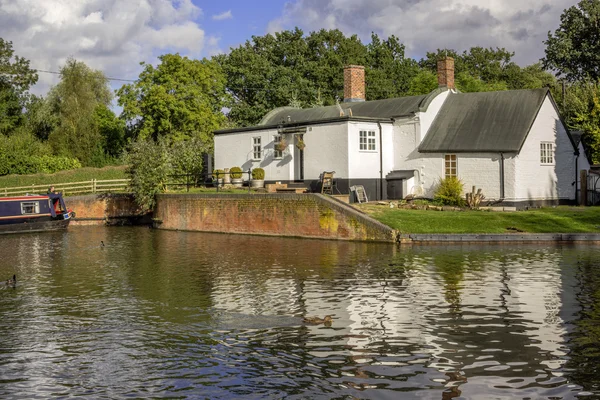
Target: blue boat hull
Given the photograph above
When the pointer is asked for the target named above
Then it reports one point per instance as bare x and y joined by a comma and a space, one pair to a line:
39, 226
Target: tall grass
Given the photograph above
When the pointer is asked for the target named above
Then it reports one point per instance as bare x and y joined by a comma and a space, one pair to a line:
74, 175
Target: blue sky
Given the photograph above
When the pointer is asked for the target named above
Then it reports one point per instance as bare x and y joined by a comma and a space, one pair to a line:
248, 19
114, 36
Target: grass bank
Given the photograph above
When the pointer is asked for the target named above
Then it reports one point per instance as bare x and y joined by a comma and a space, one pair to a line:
544, 220
74, 175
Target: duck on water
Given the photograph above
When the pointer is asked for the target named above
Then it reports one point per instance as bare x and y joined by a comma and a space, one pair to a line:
11, 282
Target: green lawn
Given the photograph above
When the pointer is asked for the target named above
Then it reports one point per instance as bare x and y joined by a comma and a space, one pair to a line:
545, 220
74, 175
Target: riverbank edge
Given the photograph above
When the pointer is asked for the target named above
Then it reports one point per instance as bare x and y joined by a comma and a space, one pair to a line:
119, 209
498, 238
309, 215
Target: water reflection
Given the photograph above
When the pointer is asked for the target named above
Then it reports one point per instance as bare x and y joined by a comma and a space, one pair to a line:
186, 315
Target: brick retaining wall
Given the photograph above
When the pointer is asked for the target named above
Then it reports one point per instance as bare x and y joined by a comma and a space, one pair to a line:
105, 209
298, 215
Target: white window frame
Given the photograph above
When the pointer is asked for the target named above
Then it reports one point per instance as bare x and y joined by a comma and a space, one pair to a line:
30, 207
277, 153
367, 141
546, 153
450, 166
256, 148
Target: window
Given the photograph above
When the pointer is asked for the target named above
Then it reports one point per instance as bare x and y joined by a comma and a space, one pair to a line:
276, 141
367, 141
256, 148
547, 153
30, 207
450, 162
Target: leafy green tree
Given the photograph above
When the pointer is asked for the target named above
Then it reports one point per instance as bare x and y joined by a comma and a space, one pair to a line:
148, 168
574, 48
424, 82
290, 68
186, 159
178, 99
112, 131
467, 83
588, 120
75, 99
16, 77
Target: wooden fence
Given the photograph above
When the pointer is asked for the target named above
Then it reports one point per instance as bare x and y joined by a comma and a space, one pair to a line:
70, 188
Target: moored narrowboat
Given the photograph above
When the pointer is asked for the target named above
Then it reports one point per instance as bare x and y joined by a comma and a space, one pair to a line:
34, 213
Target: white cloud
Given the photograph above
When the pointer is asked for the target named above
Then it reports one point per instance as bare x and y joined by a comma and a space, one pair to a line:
225, 15
113, 36
426, 25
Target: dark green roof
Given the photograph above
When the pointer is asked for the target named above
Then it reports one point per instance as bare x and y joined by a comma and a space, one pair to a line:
484, 122
379, 109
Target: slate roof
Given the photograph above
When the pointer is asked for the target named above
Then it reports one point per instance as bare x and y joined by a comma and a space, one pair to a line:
484, 122
379, 109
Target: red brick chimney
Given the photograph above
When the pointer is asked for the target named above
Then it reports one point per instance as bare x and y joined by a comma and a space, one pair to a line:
445, 72
354, 83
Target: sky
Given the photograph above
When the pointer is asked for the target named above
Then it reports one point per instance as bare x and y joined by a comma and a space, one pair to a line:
114, 36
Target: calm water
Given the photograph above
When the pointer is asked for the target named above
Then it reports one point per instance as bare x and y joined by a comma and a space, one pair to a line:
190, 315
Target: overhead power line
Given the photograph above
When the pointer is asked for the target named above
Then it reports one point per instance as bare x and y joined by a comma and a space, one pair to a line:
107, 78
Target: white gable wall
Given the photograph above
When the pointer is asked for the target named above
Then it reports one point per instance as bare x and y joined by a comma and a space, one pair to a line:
426, 118
535, 181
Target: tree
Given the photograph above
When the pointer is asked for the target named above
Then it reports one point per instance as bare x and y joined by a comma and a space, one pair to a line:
574, 48
587, 118
75, 99
148, 168
112, 131
178, 99
289, 67
16, 77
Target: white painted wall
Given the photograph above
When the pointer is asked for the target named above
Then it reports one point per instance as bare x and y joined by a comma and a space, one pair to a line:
426, 118
364, 164
535, 181
235, 149
326, 150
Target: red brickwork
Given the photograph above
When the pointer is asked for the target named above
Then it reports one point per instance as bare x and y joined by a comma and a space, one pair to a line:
102, 209
354, 83
446, 72
296, 215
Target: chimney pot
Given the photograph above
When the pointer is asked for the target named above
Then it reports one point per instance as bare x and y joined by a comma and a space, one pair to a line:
445, 68
354, 83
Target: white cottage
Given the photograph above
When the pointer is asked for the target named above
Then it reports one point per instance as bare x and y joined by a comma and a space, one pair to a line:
511, 144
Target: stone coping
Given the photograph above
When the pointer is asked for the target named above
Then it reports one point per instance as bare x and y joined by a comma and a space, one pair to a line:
500, 238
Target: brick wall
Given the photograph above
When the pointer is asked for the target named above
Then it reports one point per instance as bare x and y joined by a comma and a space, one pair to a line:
112, 209
296, 215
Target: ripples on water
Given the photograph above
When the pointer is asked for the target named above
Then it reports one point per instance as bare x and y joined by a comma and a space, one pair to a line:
172, 314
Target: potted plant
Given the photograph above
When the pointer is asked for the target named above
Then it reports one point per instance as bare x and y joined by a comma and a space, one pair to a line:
281, 145
300, 143
218, 175
236, 176
258, 178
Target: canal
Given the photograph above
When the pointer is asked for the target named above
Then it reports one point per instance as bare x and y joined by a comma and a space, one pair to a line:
133, 312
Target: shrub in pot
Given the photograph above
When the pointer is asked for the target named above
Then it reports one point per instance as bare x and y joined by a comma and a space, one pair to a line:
258, 178
218, 175
236, 176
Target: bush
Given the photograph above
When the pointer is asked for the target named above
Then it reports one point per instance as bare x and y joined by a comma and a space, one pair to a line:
258, 174
449, 192
148, 170
236, 172
218, 174
9, 164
